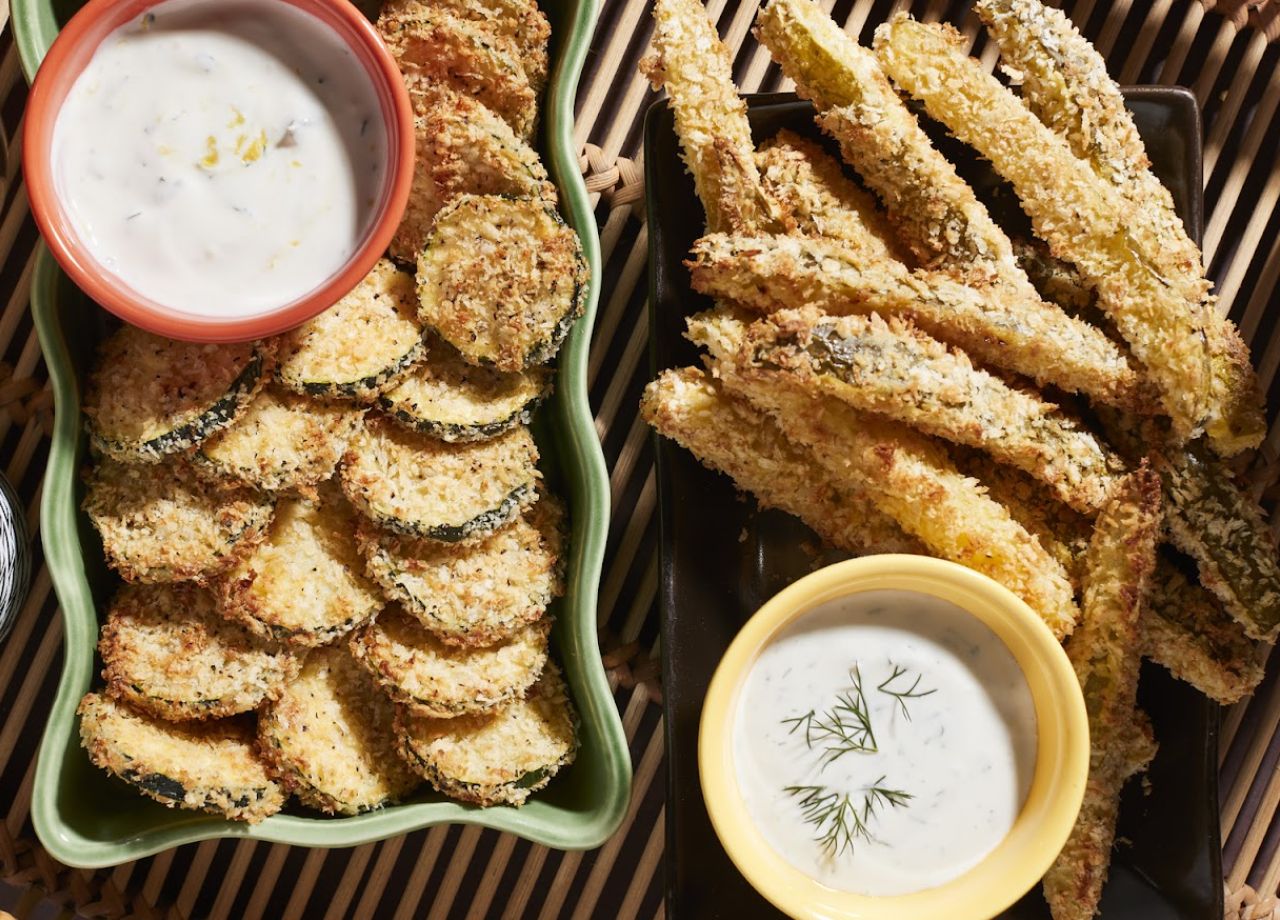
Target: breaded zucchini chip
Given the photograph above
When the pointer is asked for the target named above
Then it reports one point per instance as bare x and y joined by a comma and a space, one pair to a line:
162, 522
304, 584
479, 593
150, 396
496, 759
436, 46
501, 280
447, 398
361, 345
422, 487
462, 147
283, 441
329, 738
441, 681
203, 766
169, 652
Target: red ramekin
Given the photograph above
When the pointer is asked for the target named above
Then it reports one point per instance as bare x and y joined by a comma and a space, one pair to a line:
67, 59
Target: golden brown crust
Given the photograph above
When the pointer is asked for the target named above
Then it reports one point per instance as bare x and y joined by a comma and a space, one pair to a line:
162, 522
168, 652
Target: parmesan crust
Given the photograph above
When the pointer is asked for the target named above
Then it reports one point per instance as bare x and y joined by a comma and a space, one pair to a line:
501, 280
441, 681
462, 147
203, 766
433, 45
449, 399
419, 486
305, 583
474, 594
283, 441
362, 345
499, 758
330, 739
168, 652
162, 522
732, 437
150, 396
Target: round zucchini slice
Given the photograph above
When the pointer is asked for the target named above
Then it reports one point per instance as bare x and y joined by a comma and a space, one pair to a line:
434, 46
473, 594
304, 584
150, 396
442, 681
500, 758
419, 486
330, 739
447, 398
162, 522
283, 441
502, 280
168, 652
204, 766
519, 21
462, 147
361, 345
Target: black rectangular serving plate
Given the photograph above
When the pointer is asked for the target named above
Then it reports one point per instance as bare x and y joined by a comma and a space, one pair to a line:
721, 558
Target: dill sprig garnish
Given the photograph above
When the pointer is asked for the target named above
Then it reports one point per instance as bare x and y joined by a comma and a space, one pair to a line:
837, 820
901, 696
845, 728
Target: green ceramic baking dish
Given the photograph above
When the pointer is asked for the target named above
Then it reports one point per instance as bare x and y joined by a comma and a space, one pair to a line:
85, 818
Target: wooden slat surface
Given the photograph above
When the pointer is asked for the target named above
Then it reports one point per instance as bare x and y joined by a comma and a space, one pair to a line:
1226, 54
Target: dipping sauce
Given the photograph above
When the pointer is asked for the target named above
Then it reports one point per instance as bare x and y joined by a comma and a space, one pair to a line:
885, 742
221, 157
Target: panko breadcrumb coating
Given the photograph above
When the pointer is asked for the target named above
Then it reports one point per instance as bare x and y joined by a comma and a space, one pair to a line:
304, 584
479, 593
1064, 81
449, 399
362, 345
162, 522
203, 766
330, 738
433, 45
895, 370
1071, 208
462, 147
168, 651
441, 681
730, 436
1030, 337
908, 476
1106, 651
149, 396
499, 758
502, 280
283, 441
415, 485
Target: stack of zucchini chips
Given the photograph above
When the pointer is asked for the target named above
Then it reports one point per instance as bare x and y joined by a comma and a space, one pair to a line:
336, 549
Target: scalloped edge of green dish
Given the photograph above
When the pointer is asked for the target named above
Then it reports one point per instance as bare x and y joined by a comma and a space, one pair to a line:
599, 807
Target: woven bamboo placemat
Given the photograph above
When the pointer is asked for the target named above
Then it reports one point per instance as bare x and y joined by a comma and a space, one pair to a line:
1226, 52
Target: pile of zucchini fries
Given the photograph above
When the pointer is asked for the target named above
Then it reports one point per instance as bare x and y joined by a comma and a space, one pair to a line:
1063, 414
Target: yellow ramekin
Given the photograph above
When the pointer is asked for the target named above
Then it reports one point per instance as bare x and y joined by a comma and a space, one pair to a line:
1057, 786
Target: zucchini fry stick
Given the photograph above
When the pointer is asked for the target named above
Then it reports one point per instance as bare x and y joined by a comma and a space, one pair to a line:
696, 68
1065, 82
908, 476
1106, 651
1187, 631
893, 369
730, 436
824, 203
1070, 207
1222, 529
1030, 338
